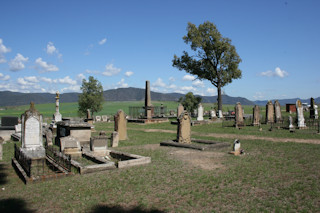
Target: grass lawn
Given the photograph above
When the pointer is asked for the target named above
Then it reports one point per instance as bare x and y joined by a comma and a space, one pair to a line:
271, 176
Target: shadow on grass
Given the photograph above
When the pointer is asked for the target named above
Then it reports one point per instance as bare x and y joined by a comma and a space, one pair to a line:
118, 209
14, 205
3, 174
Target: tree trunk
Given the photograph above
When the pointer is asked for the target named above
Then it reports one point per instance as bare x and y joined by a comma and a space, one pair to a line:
219, 99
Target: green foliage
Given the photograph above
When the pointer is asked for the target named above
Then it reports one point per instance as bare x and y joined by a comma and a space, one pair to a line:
190, 102
215, 57
91, 97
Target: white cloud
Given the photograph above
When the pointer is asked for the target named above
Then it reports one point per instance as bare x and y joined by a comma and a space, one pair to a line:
47, 80
51, 49
188, 78
211, 91
80, 77
3, 50
172, 79
277, 73
72, 88
111, 70
33, 79
17, 63
102, 41
122, 84
66, 80
4, 77
159, 83
129, 73
43, 66
198, 83
92, 71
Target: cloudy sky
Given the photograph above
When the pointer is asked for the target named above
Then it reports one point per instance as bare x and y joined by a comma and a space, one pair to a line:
52, 45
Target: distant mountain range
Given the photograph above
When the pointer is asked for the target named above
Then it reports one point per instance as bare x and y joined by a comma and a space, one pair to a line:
123, 94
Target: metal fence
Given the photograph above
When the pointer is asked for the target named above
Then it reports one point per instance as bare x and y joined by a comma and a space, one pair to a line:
139, 112
62, 160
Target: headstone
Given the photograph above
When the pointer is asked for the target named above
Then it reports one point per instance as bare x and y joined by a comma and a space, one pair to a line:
312, 109
70, 145
9, 121
277, 110
269, 113
256, 115
49, 137
120, 125
316, 116
291, 127
147, 105
17, 128
220, 114
31, 135
98, 118
213, 114
99, 143
114, 139
89, 114
239, 115
184, 128
236, 146
57, 116
300, 116
200, 113
180, 110
104, 118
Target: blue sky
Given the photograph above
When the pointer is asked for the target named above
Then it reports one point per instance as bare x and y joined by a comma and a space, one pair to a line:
52, 45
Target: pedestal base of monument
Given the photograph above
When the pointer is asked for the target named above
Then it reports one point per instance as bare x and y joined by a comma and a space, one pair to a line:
148, 120
198, 144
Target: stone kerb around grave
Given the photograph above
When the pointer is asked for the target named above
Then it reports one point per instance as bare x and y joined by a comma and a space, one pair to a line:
184, 128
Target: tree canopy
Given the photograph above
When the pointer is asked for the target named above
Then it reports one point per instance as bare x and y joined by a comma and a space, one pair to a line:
91, 97
215, 58
190, 102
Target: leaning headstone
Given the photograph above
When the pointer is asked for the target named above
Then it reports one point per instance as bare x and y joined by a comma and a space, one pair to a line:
57, 116
114, 139
256, 115
98, 118
104, 118
239, 115
312, 109
31, 135
184, 128
277, 110
120, 125
200, 113
180, 110
269, 113
300, 116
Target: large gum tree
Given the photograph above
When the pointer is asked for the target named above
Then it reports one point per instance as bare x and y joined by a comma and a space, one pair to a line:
215, 59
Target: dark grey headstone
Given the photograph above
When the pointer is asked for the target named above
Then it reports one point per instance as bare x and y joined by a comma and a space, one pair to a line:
9, 121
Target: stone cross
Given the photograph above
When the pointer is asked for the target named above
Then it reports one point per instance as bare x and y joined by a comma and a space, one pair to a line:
31, 129
120, 125
239, 115
147, 104
269, 113
256, 115
300, 116
184, 128
277, 110
180, 110
57, 116
200, 113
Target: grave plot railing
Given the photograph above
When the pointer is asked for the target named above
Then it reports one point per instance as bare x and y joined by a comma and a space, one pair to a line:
139, 112
62, 160
23, 160
313, 125
230, 121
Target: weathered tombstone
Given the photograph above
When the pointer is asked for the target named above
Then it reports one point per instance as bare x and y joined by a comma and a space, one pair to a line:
104, 118
98, 118
49, 137
70, 145
99, 143
57, 116
256, 115
277, 110
312, 108
184, 128
200, 113
291, 127
239, 115
120, 125
300, 116
269, 113
213, 114
148, 106
180, 110
31, 136
114, 139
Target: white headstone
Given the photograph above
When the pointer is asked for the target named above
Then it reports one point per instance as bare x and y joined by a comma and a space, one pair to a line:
213, 113
300, 115
98, 118
316, 116
200, 113
104, 118
220, 115
291, 127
